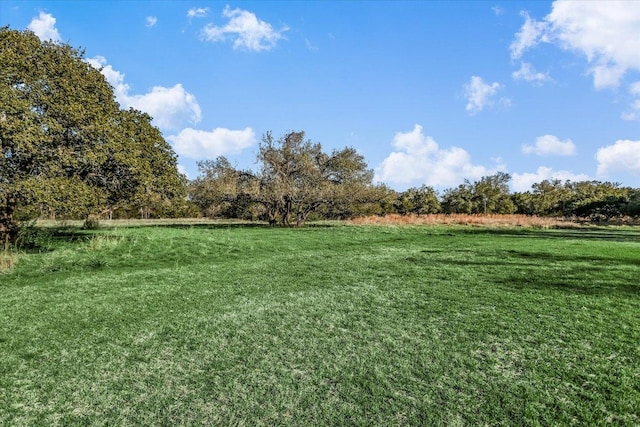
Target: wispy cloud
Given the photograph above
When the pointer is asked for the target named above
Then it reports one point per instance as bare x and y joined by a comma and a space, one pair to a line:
634, 108
198, 12
310, 46
245, 30
606, 33
529, 74
480, 95
531, 33
151, 21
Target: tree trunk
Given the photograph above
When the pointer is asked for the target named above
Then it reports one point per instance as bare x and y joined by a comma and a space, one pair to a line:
8, 225
286, 214
272, 213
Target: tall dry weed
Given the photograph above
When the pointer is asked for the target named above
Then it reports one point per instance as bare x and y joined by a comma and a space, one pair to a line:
7, 260
464, 219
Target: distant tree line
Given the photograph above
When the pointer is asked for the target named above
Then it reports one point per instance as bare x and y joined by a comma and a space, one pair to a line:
223, 191
592, 200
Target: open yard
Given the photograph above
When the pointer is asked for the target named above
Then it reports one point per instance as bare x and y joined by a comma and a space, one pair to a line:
325, 325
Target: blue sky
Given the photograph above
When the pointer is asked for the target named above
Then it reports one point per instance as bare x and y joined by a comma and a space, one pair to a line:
429, 92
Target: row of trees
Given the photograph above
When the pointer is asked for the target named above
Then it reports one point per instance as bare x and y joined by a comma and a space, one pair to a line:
593, 200
293, 184
68, 150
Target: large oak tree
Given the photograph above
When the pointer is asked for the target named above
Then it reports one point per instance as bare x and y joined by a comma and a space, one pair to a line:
296, 178
66, 148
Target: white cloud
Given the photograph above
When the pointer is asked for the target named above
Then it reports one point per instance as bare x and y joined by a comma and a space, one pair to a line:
419, 160
634, 112
530, 34
550, 145
498, 10
528, 73
605, 32
182, 170
246, 30
523, 181
197, 144
623, 156
171, 108
115, 78
151, 21
198, 12
44, 26
479, 95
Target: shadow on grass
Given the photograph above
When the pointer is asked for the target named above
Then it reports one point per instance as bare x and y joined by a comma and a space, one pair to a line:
604, 234
566, 283
518, 274
263, 225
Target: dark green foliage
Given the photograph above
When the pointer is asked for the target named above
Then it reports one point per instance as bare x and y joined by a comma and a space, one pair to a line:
31, 237
66, 149
489, 195
594, 200
418, 201
459, 200
632, 208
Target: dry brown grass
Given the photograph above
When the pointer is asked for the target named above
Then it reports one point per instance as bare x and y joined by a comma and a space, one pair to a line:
7, 260
463, 219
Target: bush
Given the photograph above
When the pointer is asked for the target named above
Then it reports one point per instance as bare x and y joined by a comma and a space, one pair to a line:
32, 237
91, 223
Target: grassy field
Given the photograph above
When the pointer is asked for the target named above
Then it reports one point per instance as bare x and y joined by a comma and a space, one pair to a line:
327, 325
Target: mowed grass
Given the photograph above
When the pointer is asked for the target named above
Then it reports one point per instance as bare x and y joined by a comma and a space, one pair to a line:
336, 325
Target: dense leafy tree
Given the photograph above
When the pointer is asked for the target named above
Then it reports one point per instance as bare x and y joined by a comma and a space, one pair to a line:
595, 200
419, 201
550, 197
523, 203
65, 146
491, 194
158, 188
222, 190
584, 199
296, 179
632, 208
459, 200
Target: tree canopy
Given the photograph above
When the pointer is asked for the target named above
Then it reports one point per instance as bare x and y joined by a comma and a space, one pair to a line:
296, 178
66, 148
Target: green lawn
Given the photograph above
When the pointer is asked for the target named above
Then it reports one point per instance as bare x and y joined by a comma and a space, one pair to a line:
336, 325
